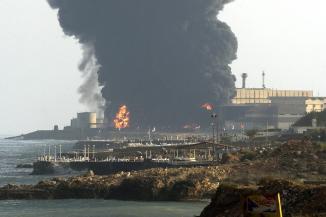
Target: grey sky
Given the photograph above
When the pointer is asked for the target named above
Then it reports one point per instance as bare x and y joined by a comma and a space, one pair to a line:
286, 38
39, 76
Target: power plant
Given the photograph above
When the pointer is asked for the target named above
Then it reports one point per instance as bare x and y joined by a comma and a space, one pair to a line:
86, 120
261, 108
251, 108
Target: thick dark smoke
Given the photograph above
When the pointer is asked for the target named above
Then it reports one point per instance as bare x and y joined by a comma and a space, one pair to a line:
162, 58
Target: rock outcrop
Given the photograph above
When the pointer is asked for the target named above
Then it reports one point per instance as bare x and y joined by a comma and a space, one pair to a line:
24, 166
298, 199
149, 185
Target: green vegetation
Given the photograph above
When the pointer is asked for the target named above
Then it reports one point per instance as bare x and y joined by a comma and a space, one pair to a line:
318, 135
323, 146
251, 133
307, 120
248, 155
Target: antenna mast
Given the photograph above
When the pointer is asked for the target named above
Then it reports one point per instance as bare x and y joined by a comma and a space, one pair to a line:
264, 86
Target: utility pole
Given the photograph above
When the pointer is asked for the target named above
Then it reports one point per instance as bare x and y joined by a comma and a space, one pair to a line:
93, 152
267, 134
44, 152
216, 124
149, 136
218, 139
55, 153
60, 152
214, 116
213, 131
49, 158
88, 152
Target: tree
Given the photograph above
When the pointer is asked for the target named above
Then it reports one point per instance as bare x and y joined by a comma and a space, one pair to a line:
251, 133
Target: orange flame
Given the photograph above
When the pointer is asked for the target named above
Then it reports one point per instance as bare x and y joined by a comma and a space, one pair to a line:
207, 106
122, 119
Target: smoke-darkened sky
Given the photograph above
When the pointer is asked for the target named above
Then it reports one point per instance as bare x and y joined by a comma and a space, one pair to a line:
162, 67
39, 65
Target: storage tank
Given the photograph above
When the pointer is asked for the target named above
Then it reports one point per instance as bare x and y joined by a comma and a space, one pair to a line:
92, 120
87, 120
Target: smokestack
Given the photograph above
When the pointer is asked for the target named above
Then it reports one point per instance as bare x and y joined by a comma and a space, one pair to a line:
160, 58
244, 78
264, 86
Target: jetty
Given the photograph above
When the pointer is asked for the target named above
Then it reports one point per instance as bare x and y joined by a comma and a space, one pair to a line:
112, 157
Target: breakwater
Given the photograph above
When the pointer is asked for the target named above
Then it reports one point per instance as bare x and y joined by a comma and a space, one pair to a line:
110, 167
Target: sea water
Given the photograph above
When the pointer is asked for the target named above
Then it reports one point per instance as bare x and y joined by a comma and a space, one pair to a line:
13, 152
98, 208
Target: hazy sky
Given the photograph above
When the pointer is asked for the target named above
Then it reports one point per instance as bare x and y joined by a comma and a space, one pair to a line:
286, 38
39, 76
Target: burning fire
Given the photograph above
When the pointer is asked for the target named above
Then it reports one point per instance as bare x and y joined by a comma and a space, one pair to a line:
207, 106
122, 119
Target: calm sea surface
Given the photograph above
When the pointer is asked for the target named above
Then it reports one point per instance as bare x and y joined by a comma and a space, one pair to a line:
16, 152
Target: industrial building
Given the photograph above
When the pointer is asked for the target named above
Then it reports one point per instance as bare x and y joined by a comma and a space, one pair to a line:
268, 108
317, 104
86, 120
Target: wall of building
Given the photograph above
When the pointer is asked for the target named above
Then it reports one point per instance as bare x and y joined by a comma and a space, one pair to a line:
74, 123
263, 95
285, 121
315, 104
290, 110
85, 120
250, 116
291, 105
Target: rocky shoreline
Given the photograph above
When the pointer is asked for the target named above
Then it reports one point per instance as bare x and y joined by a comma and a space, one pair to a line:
148, 185
241, 174
298, 200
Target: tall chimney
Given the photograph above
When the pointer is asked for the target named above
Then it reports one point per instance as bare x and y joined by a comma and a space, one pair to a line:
264, 86
244, 78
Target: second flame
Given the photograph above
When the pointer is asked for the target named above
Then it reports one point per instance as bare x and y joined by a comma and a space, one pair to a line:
122, 118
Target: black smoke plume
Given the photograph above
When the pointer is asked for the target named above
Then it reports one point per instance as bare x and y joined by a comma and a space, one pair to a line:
161, 58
